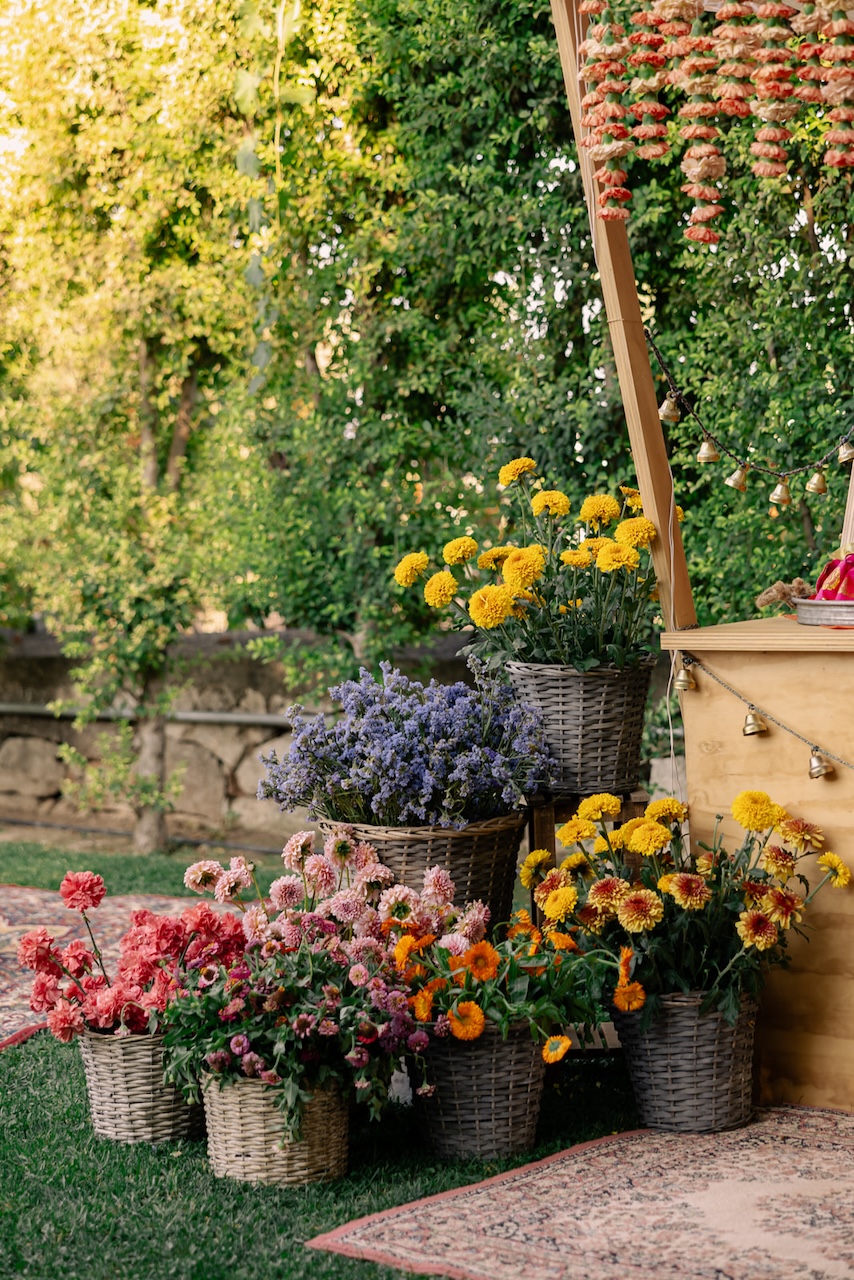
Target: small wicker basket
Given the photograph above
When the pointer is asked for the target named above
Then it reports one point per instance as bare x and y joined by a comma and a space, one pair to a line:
488, 1094
128, 1099
480, 858
593, 721
245, 1135
691, 1074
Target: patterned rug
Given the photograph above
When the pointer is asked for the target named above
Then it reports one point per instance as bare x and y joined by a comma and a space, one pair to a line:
25, 909
771, 1201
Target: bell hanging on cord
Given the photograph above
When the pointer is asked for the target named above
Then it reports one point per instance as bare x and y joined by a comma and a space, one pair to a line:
708, 452
683, 681
738, 479
780, 494
816, 483
819, 767
753, 723
669, 409
846, 452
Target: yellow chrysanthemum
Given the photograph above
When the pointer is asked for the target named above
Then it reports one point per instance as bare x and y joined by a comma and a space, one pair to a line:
440, 589
635, 532
640, 910
534, 867
603, 805
523, 567
577, 558
490, 606
839, 873
555, 1048
704, 864
595, 545
753, 810
576, 830
689, 891
552, 501
620, 836
680, 514
410, 568
782, 906
756, 930
616, 557
468, 1021
630, 997
574, 862
458, 550
605, 895
632, 497
560, 903
600, 845
648, 837
778, 861
665, 881
599, 509
803, 835
668, 809
494, 557
515, 469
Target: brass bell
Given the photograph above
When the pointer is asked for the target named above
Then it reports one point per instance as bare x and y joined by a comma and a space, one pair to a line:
669, 409
683, 681
780, 494
753, 723
846, 452
708, 452
819, 767
738, 479
816, 483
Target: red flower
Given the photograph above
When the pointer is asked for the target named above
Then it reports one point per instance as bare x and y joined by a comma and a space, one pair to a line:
36, 951
65, 1021
82, 890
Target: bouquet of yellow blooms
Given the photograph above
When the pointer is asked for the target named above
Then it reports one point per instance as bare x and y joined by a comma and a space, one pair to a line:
680, 920
572, 591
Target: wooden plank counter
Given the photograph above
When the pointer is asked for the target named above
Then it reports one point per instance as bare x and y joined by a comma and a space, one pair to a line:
804, 677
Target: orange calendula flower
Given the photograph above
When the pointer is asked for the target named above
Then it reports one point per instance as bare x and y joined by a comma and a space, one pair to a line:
805, 836
778, 861
782, 906
640, 910
576, 830
840, 875
689, 891
482, 960
422, 1005
630, 997
600, 806
605, 895
756, 929
403, 949
468, 1021
626, 957
562, 941
555, 1048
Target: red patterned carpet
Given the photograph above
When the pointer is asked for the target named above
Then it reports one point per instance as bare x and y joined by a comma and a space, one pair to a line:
771, 1201
25, 909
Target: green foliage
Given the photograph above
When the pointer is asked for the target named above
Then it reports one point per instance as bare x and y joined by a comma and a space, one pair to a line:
115, 778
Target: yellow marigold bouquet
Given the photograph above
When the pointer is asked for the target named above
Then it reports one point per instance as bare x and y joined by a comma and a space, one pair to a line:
677, 919
575, 591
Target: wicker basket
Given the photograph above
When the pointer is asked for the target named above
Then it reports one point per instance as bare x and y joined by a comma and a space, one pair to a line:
480, 858
128, 1099
593, 719
245, 1135
691, 1074
488, 1094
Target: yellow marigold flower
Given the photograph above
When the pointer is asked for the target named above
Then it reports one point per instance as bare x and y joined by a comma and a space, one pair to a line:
551, 500
640, 910
778, 861
600, 806
555, 1048
458, 550
600, 845
515, 469
668, 809
803, 835
411, 568
620, 836
635, 532
574, 862
689, 891
630, 997
616, 557
490, 606
482, 960
605, 895
555, 879
753, 810
576, 830
561, 903
840, 874
440, 589
756, 930
595, 545
599, 509
632, 497
562, 941
534, 868
494, 557
664, 882
573, 604
680, 514
578, 557
648, 837
468, 1021
422, 1005
782, 906
523, 567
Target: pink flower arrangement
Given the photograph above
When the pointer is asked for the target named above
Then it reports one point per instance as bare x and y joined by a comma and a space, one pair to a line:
72, 987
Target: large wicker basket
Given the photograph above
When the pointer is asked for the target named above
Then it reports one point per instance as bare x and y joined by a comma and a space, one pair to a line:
691, 1074
480, 858
593, 721
245, 1135
128, 1099
488, 1094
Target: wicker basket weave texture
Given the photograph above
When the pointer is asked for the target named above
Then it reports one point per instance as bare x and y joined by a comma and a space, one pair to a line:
691, 1074
593, 721
128, 1099
488, 1094
245, 1134
480, 858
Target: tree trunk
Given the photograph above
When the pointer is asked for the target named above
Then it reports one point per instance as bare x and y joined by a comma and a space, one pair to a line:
149, 833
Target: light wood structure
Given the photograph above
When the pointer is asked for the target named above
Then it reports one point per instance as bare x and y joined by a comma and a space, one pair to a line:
802, 675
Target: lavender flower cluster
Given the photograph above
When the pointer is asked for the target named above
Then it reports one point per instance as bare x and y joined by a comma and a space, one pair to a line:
407, 754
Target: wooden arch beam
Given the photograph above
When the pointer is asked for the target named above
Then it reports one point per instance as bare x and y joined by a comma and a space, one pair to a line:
637, 388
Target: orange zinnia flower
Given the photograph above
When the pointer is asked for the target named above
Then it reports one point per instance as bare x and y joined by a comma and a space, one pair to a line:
482, 960
468, 1021
630, 997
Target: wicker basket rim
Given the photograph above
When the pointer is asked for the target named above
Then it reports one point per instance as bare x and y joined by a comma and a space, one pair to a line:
209, 1079
556, 668
134, 1037
505, 822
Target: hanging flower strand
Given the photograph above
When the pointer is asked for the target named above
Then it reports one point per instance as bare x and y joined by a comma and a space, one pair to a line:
838, 90
648, 63
609, 139
696, 77
774, 103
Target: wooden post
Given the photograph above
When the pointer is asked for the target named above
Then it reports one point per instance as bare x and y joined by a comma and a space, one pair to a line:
848, 521
637, 388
